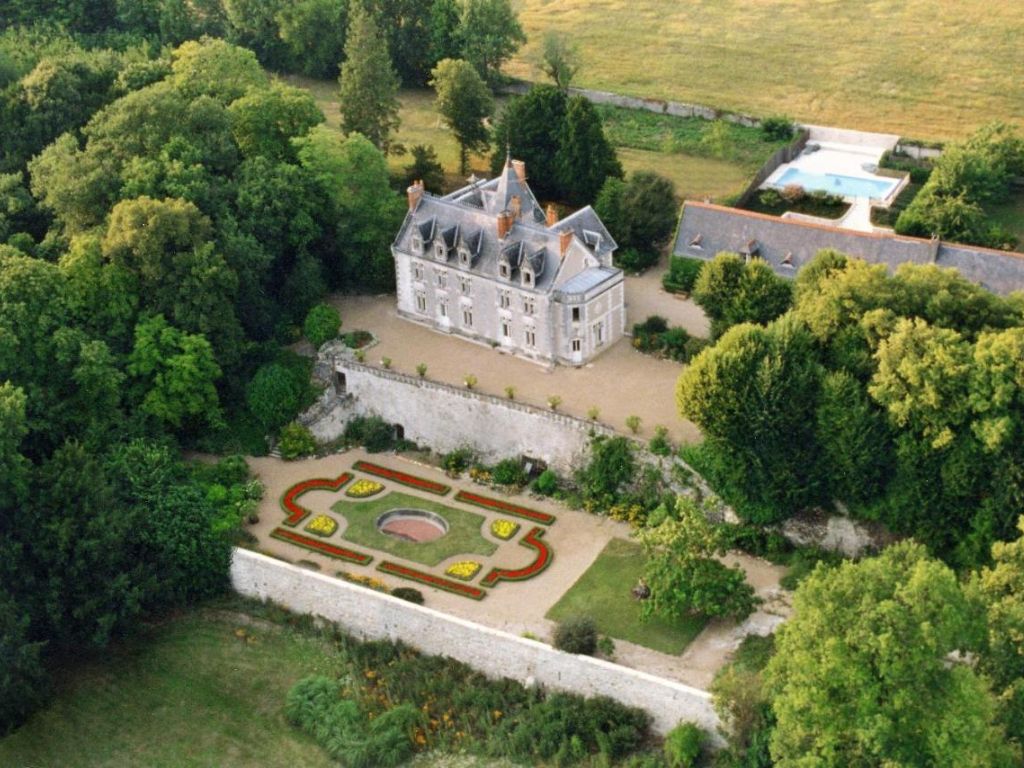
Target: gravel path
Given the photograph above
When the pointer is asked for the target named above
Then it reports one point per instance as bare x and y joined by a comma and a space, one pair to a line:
576, 539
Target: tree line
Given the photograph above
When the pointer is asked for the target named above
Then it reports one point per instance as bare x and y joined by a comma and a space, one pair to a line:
899, 396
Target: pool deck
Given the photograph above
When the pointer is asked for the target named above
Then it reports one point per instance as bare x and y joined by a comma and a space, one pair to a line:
838, 159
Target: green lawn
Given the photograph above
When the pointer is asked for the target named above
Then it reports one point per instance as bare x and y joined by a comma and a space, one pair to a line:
1010, 215
463, 535
695, 176
185, 693
933, 69
603, 592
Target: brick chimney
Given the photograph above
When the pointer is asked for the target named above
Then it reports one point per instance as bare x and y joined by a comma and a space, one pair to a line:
515, 207
504, 224
520, 169
564, 240
414, 193
552, 215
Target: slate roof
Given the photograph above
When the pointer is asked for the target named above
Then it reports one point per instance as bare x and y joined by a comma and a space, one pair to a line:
787, 244
587, 280
468, 217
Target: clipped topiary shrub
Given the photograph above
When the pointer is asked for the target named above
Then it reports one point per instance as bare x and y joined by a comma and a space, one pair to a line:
577, 635
409, 594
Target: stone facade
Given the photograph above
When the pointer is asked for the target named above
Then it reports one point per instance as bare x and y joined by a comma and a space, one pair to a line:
487, 263
372, 615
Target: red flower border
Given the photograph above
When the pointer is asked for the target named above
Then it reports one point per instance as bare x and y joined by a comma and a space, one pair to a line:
322, 547
503, 506
401, 477
430, 580
544, 558
296, 512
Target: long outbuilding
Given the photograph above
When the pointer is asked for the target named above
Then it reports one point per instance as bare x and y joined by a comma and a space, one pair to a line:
786, 244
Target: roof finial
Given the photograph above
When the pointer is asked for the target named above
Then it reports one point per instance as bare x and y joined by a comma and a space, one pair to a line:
508, 152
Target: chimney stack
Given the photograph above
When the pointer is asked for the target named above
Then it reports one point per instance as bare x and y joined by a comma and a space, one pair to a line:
552, 215
515, 207
414, 193
520, 169
564, 240
504, 224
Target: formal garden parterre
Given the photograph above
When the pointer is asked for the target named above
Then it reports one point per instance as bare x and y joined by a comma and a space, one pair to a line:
365, 511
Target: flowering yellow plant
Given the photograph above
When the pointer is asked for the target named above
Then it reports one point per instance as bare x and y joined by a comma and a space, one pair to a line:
464, 569
322, 525
504, 529
360, 489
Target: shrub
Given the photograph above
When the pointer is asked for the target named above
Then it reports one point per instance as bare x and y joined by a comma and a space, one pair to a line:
568, 727
372, 432
409, 594
659, 444
793, 193
296, 441
606, 646
421, 369
682, 274
577, 634
609, 470
777, 128
654, 324
546, 483
458, 461
683, 745
593, 413
770, 198
322, 324
554, 401
357, 339
385, 363
635, 260
510, 392
469, 380
509, 472
633, 423
309, 699
673, 342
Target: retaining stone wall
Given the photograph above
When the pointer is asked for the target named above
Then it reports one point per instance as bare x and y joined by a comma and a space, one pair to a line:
368, 614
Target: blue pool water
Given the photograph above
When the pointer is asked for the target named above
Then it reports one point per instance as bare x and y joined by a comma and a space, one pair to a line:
847, 186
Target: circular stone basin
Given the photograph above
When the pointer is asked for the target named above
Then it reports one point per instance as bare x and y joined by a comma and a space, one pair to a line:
415, 525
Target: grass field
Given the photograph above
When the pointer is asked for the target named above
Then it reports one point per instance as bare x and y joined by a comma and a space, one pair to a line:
463, 535
185, 693
695, 177
603, 593
931, 69
189, 693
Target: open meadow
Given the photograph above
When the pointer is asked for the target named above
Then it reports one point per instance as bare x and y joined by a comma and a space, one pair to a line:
929, 69
695, 176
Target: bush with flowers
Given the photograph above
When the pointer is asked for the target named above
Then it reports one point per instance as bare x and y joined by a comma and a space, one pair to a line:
464, 569
504, 529
322, 525
362, 489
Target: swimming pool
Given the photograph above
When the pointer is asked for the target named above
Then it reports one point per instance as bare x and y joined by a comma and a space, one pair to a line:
847, 186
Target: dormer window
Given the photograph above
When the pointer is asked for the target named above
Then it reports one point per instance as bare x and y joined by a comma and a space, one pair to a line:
441, 252
696, 241
417, 244
527, 278
503, 270
464, 257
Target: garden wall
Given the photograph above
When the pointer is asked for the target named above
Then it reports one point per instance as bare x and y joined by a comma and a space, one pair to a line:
368, 614
445, 417
660, 106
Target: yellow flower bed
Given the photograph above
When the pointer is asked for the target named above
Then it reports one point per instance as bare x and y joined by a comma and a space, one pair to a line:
360, 489
464, 569
504, 529
322, 525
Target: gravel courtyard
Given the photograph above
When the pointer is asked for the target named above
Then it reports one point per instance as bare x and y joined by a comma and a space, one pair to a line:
621, 382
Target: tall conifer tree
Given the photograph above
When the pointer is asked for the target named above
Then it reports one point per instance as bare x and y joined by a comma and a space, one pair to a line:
369, 84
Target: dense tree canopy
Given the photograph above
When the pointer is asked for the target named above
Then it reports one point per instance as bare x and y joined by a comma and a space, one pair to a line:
862, 673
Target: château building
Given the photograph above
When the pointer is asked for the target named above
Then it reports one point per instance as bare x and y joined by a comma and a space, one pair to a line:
487, 263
